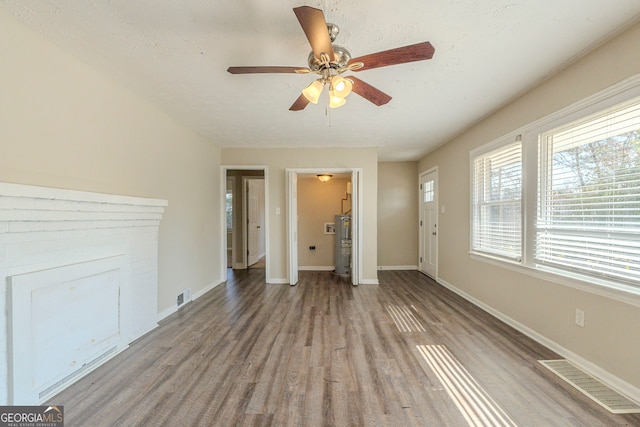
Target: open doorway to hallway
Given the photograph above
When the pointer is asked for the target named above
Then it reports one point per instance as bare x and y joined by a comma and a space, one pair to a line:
246, 218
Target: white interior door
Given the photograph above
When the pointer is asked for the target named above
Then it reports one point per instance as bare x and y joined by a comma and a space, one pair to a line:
262, 225
292, 226
254, 189
429, 223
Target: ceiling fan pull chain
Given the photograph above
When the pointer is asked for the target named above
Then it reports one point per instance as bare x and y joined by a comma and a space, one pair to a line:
326, 108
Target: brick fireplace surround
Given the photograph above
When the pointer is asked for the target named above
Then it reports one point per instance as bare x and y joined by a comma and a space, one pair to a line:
79, 274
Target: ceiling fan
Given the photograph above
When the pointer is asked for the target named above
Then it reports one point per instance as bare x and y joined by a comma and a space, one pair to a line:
330, 61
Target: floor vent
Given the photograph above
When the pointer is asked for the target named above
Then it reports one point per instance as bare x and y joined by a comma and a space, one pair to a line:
477, 407
595, 389
404, 319
184, 297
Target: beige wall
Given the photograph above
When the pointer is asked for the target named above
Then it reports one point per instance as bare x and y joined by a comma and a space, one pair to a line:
318, 203
609, 339
398, 214
64, 125
277, 160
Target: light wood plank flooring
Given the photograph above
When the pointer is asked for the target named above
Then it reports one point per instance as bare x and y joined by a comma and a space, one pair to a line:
324, 353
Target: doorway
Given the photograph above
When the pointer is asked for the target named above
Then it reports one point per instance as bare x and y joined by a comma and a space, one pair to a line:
229, 196
236, 180
292, 219
428, 189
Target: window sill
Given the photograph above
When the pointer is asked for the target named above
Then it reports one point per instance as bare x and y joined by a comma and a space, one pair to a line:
615, 291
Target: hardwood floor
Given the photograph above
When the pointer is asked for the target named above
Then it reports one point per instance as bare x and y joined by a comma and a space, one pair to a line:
324, 353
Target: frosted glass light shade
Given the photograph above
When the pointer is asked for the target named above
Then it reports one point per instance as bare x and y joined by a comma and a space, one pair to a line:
313, 91
341, 87
336, 101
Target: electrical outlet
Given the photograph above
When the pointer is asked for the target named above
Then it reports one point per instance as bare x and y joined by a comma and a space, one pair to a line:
579, 317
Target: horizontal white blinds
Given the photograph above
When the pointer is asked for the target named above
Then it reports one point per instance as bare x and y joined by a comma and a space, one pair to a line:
497, 202
589, 196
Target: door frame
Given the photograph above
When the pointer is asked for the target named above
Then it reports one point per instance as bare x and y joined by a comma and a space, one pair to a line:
233, 230
223, 215
356, 220
421, 228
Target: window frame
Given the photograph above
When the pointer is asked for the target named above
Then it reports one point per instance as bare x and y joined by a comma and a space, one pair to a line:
474, 155
602, 238
620, 93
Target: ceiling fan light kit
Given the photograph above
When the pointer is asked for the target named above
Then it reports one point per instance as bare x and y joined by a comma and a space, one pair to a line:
336, 101
330, 61
313, 91
340, 87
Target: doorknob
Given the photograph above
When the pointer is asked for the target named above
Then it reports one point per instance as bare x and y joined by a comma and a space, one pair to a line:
434, 233
258, 226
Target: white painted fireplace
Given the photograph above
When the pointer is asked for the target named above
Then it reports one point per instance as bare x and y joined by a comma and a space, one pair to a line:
80, 275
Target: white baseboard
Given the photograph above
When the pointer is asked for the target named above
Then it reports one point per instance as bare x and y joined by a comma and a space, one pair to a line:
169, 311
207, 289
278, 281
316, 268
613, 381
397, 267
369, 282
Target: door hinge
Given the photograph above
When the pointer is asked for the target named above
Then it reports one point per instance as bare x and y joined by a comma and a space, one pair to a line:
420, 223
420, 259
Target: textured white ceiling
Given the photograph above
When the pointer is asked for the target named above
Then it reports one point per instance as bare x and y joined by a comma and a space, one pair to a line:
175, 54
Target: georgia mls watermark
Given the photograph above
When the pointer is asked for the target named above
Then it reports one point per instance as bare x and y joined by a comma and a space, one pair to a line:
32, 416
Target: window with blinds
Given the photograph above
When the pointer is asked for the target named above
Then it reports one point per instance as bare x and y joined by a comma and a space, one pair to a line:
588, 213
497, 202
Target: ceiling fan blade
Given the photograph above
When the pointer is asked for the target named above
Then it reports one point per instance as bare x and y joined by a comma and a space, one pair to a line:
315, 28
259, 69
369, 92
299, 104
400, 55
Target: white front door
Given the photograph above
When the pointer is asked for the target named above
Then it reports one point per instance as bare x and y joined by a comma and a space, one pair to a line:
429, 223
255, 187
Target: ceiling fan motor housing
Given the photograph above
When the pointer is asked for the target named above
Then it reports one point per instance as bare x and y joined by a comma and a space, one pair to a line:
341, 55
333, 30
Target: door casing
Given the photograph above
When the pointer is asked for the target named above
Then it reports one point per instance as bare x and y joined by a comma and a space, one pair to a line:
223, 221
